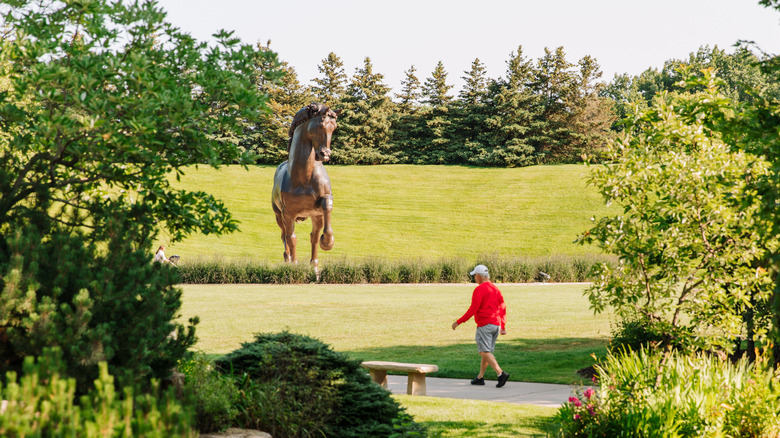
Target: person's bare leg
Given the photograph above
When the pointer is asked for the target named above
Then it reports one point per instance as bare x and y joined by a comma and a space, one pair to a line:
488, 359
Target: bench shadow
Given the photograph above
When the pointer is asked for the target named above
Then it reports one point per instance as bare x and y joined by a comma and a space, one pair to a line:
537, 360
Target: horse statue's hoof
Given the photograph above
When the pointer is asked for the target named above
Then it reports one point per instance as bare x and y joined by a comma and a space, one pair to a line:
326, 245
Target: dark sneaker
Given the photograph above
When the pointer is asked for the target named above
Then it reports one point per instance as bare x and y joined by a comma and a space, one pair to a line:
478, 381
502, 379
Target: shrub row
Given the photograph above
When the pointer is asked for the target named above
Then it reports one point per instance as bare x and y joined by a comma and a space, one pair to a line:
560, 269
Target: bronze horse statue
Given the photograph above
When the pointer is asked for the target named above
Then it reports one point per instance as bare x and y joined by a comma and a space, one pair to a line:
301, 184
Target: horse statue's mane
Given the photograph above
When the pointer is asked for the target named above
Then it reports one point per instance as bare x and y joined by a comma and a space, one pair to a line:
305, 114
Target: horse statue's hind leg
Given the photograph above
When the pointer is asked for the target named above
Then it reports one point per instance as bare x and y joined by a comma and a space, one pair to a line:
316, 228
280, 222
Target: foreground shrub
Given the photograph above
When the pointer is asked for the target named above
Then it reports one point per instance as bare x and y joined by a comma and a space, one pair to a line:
646, 394
213, 395
111, 305
296, 386
42, 404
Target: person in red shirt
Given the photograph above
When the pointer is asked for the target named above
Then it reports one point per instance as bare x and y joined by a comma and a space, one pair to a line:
489, 312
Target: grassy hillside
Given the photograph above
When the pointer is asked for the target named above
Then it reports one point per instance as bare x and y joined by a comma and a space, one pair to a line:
401, 211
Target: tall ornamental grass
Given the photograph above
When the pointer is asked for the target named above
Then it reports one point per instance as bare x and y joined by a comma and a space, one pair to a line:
558, 269
642, 394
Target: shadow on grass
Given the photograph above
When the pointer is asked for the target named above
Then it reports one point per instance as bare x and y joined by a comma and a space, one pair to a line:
530, 427
527, 360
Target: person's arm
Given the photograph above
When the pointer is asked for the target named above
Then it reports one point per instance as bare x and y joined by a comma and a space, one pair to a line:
476, 301
502, 313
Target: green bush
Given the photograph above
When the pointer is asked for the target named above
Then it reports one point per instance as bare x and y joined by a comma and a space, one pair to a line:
649, 394
42, 403
633, 334
296, 386
213, 395
111, 305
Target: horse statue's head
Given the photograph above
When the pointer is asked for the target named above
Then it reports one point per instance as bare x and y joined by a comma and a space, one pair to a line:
318, 122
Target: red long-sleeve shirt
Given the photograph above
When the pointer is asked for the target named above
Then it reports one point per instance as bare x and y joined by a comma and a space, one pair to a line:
487, 306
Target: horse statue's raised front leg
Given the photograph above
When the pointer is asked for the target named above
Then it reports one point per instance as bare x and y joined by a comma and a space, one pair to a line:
326, 240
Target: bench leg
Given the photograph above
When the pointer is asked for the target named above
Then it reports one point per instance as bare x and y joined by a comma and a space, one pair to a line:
416, 384
379, 376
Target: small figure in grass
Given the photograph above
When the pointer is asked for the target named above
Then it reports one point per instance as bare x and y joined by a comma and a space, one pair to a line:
489, 311
159, 256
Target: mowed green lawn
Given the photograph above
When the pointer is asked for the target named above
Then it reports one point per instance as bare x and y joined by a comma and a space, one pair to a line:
400, 212
551, 331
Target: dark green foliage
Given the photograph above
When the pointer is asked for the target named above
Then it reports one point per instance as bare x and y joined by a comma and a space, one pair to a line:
330, 88
100, 103
213, 395
297, 386
374, 270
364, 128
634, 334
114, 307
267, 135
41, 402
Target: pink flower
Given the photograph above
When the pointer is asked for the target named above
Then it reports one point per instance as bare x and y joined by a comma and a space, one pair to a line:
577, 403
576, 417
588, 393
573, 399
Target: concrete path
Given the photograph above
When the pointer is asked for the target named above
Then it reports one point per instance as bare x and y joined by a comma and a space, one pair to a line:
522, 393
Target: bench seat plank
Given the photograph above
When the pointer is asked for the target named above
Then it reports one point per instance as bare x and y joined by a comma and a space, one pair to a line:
416, 374
402, 367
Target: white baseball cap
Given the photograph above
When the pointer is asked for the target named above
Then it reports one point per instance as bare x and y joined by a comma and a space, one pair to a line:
479, 269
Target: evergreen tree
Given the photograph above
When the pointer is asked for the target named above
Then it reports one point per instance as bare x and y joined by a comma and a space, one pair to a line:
470, 114
364, 128
434, 124
405, 122
590, 116
513, 118
435, 88
268, 137
330, 88
409, 96
475, 86
555, 82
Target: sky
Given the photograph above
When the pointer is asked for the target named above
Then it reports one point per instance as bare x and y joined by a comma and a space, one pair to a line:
624, 36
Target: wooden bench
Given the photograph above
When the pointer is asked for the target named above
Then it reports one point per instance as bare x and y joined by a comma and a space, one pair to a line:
416, 372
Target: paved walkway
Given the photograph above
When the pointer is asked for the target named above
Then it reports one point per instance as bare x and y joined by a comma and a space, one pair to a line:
522, 393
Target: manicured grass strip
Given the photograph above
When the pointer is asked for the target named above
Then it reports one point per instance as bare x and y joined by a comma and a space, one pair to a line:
446, 417
551, 330
399, 212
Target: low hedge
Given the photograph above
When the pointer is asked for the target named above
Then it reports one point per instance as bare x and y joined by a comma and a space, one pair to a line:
559, 269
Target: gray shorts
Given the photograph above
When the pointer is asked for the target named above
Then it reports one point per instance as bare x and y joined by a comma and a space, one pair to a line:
486, 337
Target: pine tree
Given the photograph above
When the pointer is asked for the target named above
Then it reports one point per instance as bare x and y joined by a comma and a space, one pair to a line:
476, 82
330, 88
404, 127
555, 82
268, 137
435, 88
590, 116
410, 91
469, 117
513, 118
364, 128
